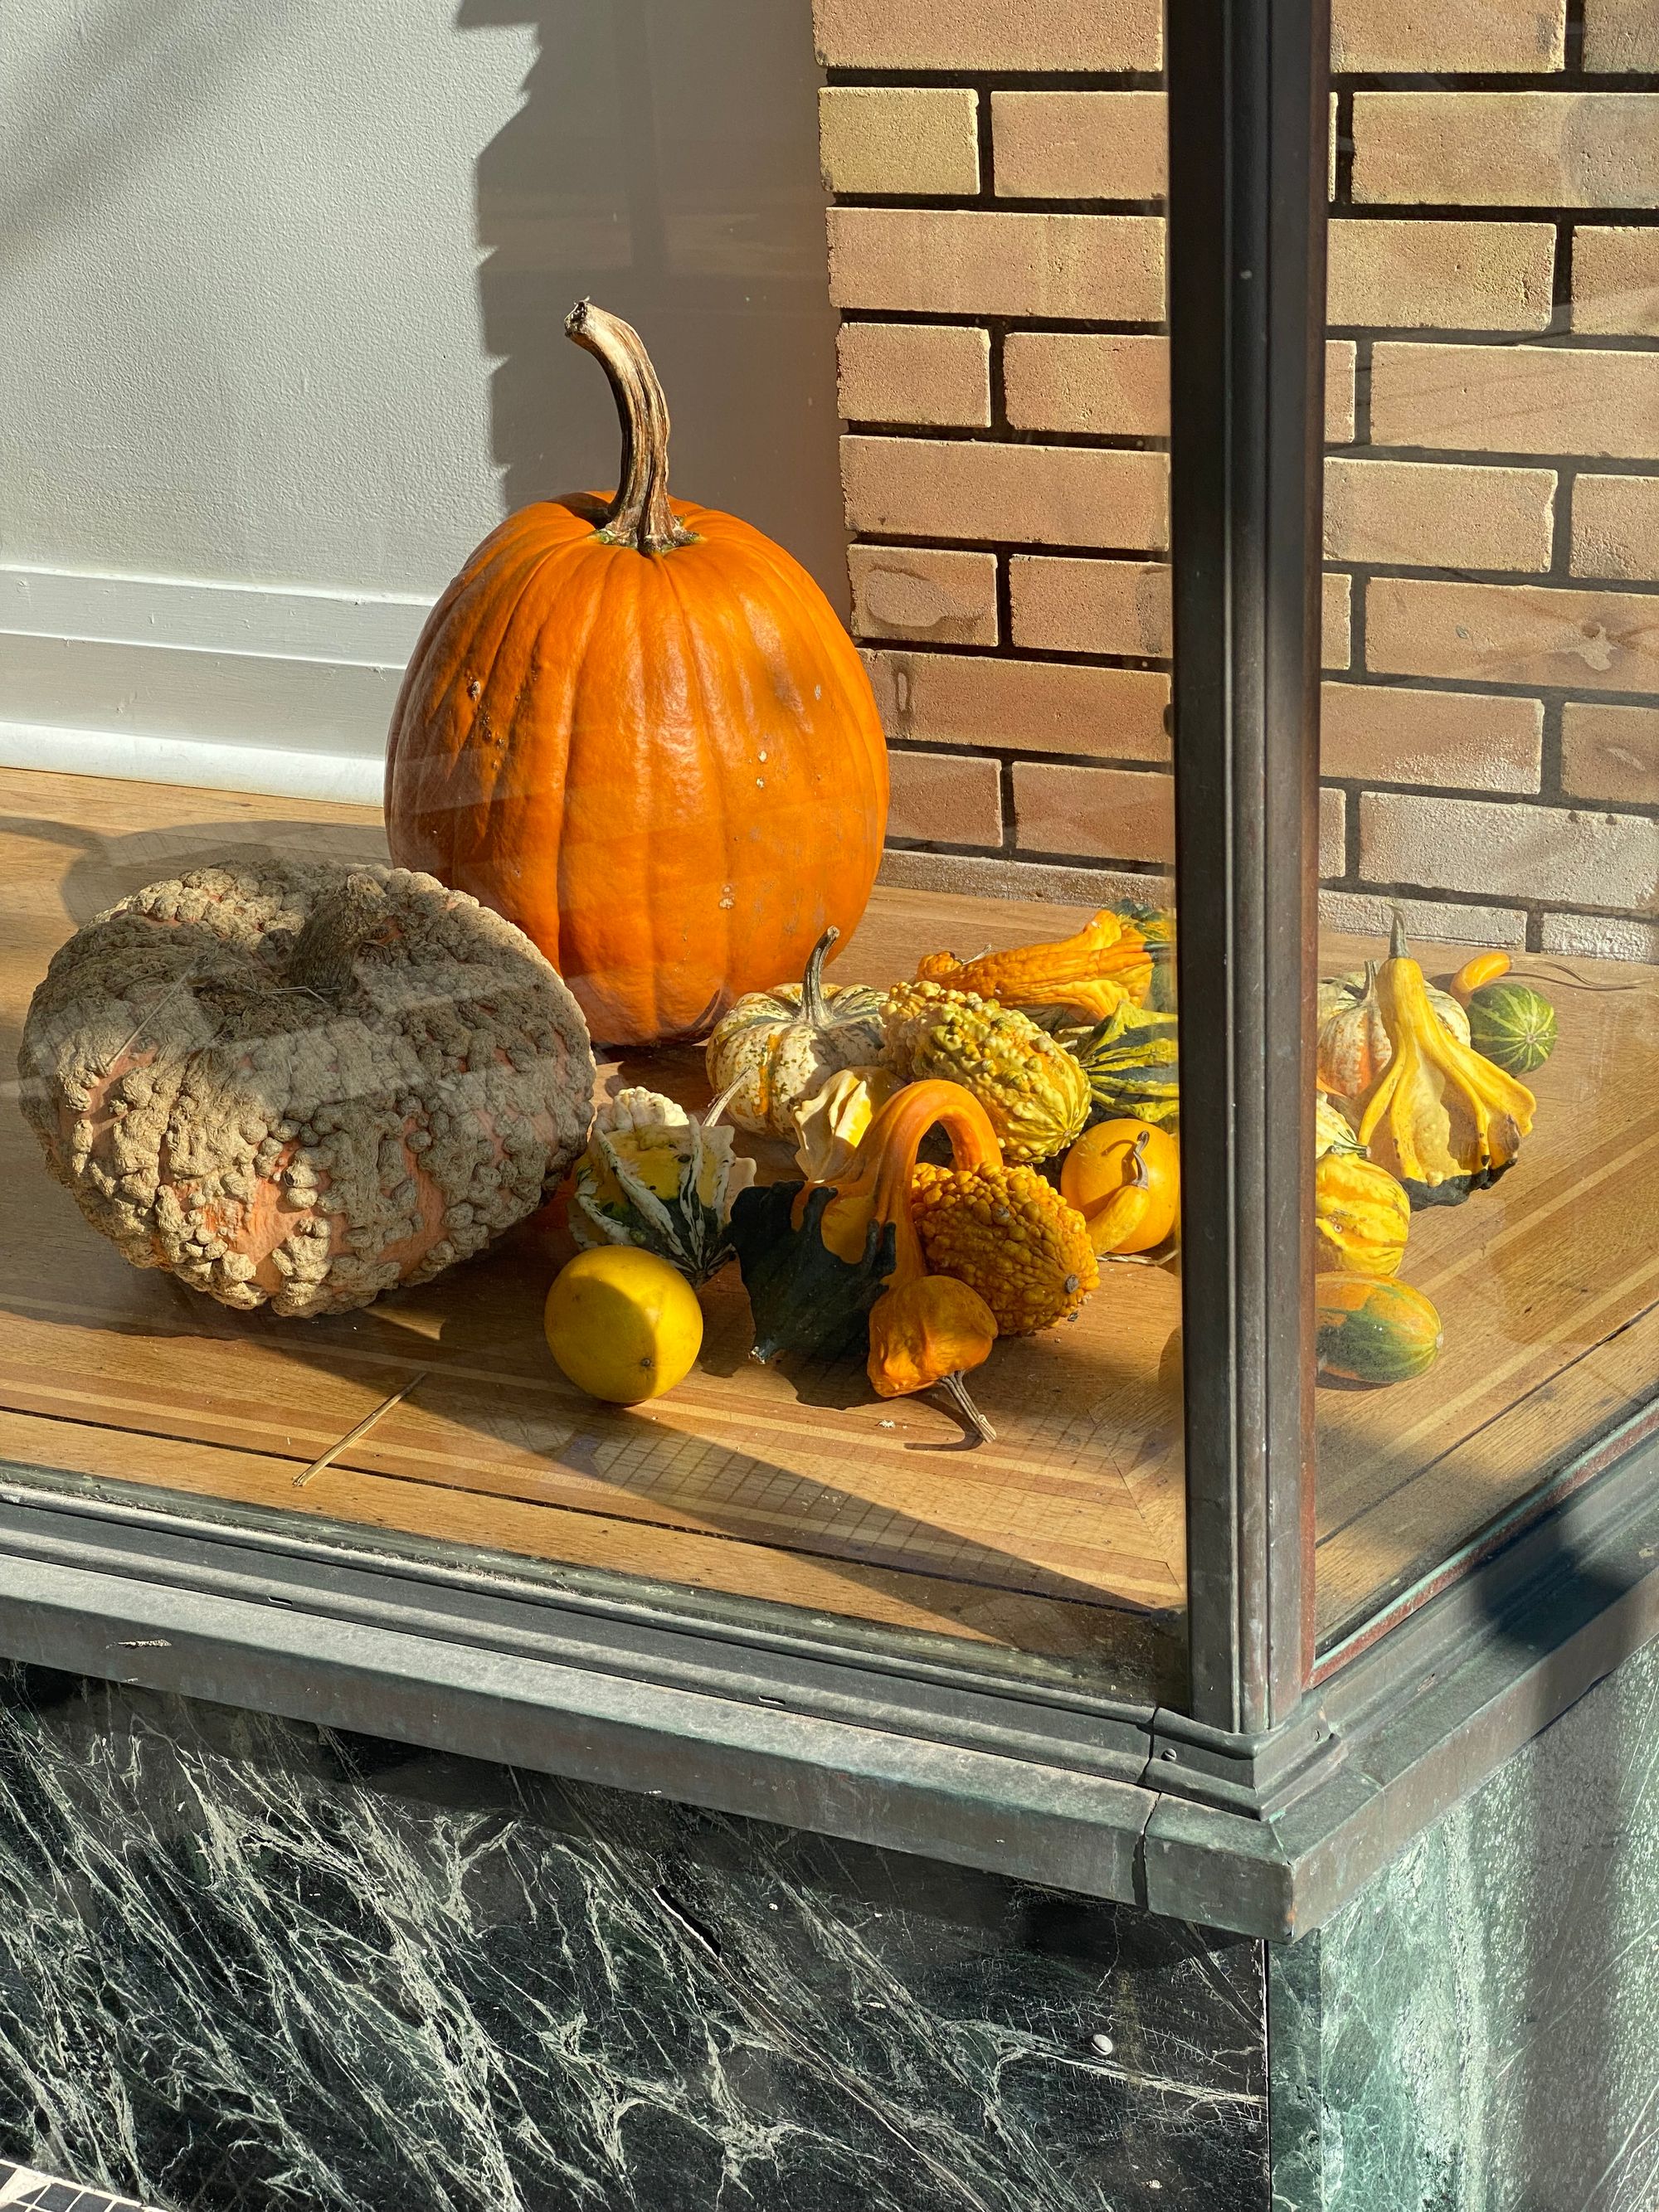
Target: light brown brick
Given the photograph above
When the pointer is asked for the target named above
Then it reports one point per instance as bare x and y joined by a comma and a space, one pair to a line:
1336, 624
1333, 835
1615, 528
1022, 706
1438, 514
1620, 34
1513, 633
1601, 937
978, 875
1507, 148
1079, 145
898, 138
1341, 354
1428, 921
947, 261
1113, 814
1615, 281
1115, 384
1516, 399
1422, 274
1118, 384
1090, 606
1511, 849
945, 799
1447, 34
1024, 494
989, 34
929, 372
924, 594
1123, 606
1610, 753
1471, 740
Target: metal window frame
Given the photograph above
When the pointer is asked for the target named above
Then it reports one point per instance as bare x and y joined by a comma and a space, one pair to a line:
1261, 1792
1247, 85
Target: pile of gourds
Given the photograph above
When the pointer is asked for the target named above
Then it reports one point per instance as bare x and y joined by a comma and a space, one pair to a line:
1420, 1105
1050, 1080
1055, 1080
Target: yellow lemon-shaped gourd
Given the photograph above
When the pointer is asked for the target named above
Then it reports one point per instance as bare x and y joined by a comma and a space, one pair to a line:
623, 1324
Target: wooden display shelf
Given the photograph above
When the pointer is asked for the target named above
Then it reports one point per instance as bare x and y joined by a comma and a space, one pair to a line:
790, 1483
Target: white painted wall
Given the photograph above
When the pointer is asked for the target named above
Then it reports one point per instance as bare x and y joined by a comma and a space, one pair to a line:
281, 291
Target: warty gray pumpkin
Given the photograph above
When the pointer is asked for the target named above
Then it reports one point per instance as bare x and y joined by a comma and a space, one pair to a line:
293, 1085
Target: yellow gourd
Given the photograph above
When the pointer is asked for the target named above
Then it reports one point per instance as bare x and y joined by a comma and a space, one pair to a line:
1361, 1215
1096, 971
1439, 1117
1353, 1037
1333, 1131
1484, 967
1124, 1178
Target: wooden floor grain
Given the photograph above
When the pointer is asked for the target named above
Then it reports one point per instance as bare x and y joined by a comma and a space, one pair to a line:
791, 1483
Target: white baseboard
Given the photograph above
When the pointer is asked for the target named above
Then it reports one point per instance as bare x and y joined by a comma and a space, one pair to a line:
227, 687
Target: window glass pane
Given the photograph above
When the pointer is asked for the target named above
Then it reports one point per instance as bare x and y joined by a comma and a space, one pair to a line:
1491, 777
274, 379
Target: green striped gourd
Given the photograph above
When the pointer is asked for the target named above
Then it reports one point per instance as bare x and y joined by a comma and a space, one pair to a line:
1512, 1025
1157, 925
1133, 1062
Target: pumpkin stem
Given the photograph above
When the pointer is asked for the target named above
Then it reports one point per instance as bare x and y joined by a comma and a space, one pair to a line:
334, 932
814, 1006
639, 515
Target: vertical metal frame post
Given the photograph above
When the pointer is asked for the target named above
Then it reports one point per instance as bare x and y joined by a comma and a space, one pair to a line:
1248, 107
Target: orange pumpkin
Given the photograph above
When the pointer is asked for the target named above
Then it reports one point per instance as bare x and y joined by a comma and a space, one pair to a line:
637, 729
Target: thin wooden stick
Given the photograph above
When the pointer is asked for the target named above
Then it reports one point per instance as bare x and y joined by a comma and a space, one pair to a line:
362, 1429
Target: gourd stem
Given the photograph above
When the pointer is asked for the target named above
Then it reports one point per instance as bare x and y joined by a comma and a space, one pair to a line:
639, 515
814, 1006
336, 930
958, 1390
1397, 937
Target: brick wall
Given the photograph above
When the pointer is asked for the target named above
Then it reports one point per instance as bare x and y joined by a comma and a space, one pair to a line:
1491, 627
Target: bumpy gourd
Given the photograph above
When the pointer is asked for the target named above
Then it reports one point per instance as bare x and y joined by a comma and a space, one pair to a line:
289, 1084
1353, 1037
1133, 1063
1362, 1216
1035, 1093
1440, 1117
775, 1049
658, 1177
1094, 971
1010, 1236
1373, 1332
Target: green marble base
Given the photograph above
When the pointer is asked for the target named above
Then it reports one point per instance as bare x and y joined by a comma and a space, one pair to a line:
1476, 2030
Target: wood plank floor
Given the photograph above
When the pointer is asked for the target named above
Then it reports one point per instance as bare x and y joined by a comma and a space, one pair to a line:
788, 1483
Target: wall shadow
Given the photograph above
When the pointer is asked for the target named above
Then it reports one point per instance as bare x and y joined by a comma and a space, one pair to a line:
664, 162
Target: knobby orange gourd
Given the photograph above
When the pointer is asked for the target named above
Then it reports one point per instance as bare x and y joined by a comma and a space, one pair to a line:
637, 729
